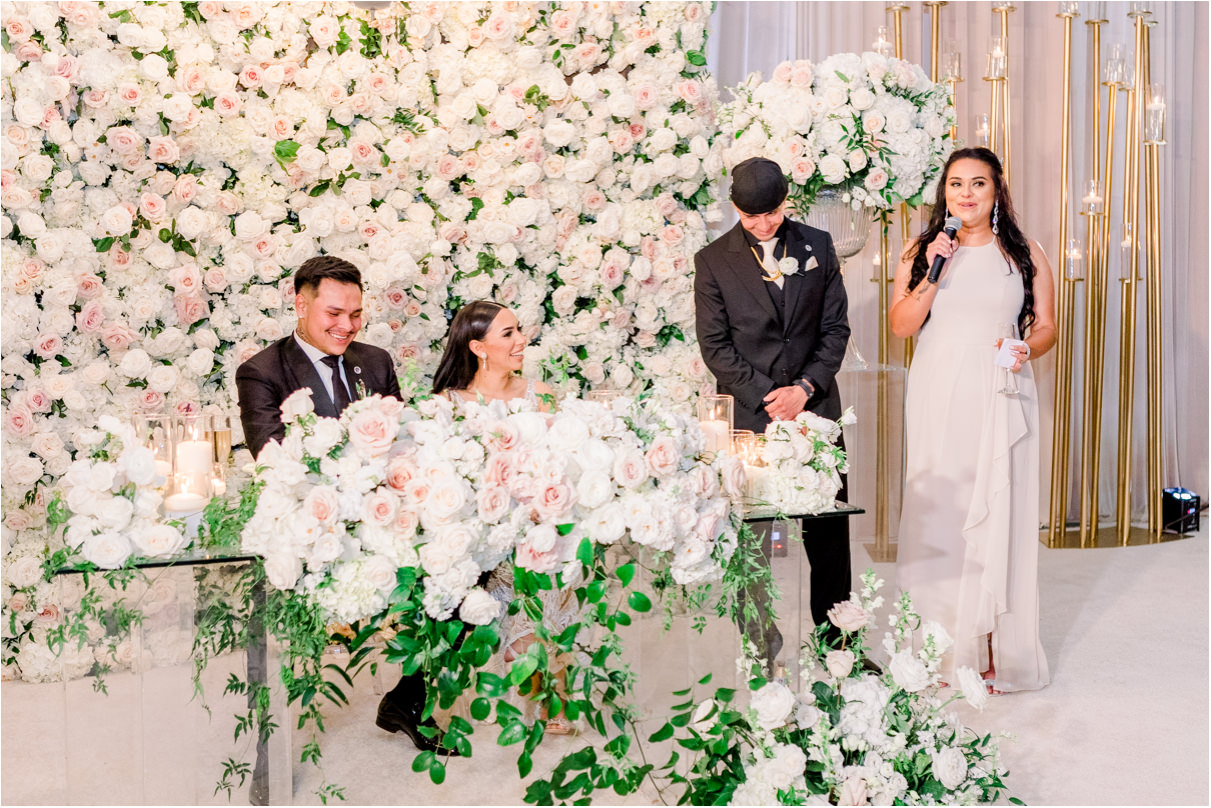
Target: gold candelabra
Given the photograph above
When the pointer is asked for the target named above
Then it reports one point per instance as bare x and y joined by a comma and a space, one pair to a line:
999, 102
1063, 377
1154, 138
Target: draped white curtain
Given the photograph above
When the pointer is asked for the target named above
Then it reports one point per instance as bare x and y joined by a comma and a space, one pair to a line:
757, 36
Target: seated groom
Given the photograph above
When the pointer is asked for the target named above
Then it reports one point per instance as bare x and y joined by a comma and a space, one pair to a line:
774, 336
322, 355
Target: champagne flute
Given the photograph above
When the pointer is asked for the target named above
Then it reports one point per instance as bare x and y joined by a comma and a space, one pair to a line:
1009, 379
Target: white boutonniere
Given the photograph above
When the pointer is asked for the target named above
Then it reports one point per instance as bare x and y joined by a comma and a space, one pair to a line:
791, 266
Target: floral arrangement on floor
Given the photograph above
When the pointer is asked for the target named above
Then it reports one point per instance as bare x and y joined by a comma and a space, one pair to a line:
872, 125
798, 465
849, 735
166, 166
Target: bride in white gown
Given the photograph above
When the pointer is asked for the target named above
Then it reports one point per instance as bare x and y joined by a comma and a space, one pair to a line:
968, 546
482, 361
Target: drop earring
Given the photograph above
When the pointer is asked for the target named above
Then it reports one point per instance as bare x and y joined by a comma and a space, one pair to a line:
996, 210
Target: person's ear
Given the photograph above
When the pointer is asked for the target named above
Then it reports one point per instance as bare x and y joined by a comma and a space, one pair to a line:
300, 304
477, 348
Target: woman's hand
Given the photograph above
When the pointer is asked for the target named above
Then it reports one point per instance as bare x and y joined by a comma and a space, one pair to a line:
943, 245
1021, 352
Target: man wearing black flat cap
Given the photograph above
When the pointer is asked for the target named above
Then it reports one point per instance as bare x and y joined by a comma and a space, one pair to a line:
772, 328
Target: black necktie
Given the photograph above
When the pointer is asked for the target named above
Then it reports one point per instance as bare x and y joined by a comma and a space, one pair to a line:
340, 394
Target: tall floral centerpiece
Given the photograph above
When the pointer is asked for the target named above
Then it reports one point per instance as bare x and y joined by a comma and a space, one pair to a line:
872, 126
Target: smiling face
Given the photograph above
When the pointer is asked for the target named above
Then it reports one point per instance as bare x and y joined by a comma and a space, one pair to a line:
970, 192
330, 315
762, 225
502, 347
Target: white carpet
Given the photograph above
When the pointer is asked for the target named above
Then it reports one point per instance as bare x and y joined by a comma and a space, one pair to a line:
1124, 722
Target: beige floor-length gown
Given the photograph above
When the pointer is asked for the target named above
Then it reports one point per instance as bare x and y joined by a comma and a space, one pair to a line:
968, 545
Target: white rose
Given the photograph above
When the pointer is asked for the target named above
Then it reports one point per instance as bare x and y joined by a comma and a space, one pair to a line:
327, 433
950, 767
163, 378
107, 550
972, 685
158, 540
839, 663
908, 672
773, 703
114, 513
283, 570
479, 608
297, 404
595, 488
379, 572
24, 572
135, 364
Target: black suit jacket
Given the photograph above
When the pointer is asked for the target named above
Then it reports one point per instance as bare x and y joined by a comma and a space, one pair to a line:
268, 379
748, 345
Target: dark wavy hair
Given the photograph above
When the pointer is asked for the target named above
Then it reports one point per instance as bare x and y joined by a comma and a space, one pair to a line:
458, 365
1009, 237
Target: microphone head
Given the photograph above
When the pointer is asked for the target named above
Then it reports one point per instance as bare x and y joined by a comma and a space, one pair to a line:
953, 225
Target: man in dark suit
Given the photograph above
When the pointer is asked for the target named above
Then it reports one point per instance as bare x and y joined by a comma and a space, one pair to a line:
774, 333
322, 355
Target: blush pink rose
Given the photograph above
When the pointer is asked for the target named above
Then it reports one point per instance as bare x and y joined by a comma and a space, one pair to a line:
163, 149
379, 508
493, 502
117, 336
554, 500
528, 558
190, 309
500, 469
91, 317
663, 457
88, 285
406, 522
149, 400
400, 471
47, 345
630, 470
323, 504
371, 432
19, 421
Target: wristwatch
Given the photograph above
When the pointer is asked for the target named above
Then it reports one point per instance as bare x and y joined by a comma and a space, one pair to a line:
806, 386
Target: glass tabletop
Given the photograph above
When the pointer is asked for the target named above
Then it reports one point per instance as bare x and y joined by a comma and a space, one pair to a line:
769, 513
192, 558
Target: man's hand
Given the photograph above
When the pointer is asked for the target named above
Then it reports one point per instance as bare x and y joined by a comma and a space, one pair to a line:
784, 403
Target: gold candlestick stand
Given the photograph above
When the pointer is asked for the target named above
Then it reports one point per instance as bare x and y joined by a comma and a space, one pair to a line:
1067, 293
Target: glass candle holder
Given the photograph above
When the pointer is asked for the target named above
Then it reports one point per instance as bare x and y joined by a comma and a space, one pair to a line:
602, 396
997, 59
193, 464
952, 64
1138, 9
1074, 260
1127, 248
982, 129
882, 43
1115, 72
1068, 8
155, 432
1093, 203
716, 416
1096, 11
1154, 117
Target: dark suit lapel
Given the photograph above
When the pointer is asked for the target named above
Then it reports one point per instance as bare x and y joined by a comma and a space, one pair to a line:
798, 248
748, 273
304, 375
355, 373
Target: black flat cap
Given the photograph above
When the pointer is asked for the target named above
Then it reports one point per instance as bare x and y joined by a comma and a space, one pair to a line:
758, 185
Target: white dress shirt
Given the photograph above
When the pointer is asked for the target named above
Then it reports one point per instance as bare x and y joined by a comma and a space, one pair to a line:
325, 373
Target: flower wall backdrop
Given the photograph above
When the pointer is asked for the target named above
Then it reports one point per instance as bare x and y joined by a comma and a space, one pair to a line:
167, 166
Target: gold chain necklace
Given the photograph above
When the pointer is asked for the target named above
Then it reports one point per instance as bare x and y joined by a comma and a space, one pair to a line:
765, 277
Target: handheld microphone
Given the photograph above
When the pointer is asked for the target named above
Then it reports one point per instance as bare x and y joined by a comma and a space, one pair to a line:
953, 225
